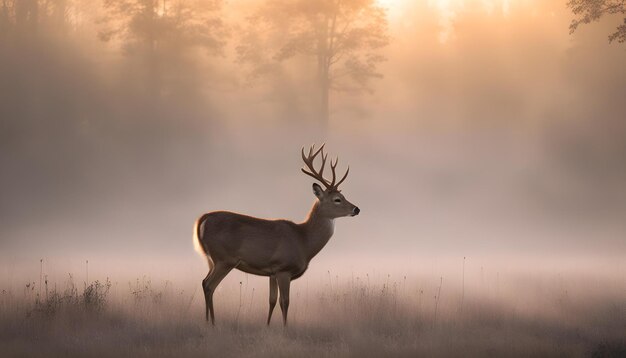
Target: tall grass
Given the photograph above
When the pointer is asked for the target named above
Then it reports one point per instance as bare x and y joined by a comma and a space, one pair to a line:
355, 315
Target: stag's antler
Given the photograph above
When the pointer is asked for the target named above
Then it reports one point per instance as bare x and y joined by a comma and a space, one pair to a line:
318, 175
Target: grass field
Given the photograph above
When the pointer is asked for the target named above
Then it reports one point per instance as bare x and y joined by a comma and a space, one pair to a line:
369, 314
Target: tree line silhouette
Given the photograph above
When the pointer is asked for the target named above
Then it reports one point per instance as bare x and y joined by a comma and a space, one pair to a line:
342, 38
338, 44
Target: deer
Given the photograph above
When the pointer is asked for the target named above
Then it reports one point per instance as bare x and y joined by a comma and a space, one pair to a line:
279, 249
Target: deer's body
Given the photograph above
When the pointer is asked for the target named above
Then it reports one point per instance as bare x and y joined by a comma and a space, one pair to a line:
280, 249
263, 247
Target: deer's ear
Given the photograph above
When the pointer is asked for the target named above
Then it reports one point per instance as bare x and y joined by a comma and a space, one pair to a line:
318, 191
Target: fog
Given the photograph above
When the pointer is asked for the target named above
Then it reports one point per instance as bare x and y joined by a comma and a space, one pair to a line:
491, 133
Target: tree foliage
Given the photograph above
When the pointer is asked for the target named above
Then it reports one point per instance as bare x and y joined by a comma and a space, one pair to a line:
162, 35
342, 36
186, 23
27, 16
592, 10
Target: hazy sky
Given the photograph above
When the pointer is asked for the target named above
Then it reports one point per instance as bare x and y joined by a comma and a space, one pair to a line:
492, 131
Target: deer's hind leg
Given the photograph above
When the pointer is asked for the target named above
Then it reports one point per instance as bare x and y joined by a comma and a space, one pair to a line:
209, 284
284, 281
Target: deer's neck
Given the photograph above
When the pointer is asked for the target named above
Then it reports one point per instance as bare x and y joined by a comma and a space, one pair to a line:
318, 230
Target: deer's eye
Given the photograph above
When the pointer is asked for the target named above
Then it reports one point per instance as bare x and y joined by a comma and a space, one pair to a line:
337, 200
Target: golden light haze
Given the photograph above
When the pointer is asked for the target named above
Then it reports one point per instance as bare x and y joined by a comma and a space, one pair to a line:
486, 147
484, 128
446, 11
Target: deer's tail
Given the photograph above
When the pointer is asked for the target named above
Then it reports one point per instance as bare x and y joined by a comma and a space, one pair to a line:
196, 236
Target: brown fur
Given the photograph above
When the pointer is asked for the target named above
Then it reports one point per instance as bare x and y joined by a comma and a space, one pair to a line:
279, 249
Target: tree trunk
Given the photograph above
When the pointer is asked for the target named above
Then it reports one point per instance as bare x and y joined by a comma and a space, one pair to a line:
27, 15
4, 18
59, 15
153, 80
324, 105
323, 76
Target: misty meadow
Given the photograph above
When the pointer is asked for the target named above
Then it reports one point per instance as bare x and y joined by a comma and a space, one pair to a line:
482, 214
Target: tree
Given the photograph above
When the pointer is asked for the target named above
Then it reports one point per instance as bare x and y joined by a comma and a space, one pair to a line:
342, 36
160, 31
5, 21
40, 18
59, 14
592, 10
27, 14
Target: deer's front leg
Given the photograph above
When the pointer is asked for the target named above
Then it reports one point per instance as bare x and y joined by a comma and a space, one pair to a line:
284, 280
273, 297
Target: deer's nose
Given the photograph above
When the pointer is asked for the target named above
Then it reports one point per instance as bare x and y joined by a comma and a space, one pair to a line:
356, 211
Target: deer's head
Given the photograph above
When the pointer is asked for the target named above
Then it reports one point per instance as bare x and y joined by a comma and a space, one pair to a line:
331, 202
